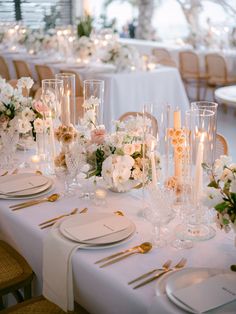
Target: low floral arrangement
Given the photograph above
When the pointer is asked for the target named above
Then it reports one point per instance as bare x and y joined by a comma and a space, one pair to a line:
17, 110
84, 48
221, 192
120, 157
122, 56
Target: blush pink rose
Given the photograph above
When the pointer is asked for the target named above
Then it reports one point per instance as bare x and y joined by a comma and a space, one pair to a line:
40, 107
98, 136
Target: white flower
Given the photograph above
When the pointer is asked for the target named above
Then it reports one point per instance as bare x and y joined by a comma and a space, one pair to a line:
25, 82
91, 103
220, 164
211, 197
24, 126
233, 186
89, 116
28, 114
38, 125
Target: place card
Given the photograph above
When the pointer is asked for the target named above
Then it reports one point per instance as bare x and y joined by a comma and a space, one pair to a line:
98, 228
208, 294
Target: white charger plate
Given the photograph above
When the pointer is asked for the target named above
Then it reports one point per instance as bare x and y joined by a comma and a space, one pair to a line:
80, 219
32, 192
187, 277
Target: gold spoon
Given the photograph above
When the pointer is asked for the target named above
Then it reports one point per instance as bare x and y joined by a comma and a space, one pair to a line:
119, 213
50, 198
4, 174
141, 249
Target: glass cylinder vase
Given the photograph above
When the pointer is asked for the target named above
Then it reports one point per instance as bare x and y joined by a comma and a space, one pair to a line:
52, 92
68, 98
201, 126
93, 102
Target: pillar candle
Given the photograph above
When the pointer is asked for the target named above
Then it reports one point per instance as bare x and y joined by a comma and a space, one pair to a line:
52, 138
177, 160
153, 164
198, 169
65, 112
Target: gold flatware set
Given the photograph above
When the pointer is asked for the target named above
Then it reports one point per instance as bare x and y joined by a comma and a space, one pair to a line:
166, 270
51, 222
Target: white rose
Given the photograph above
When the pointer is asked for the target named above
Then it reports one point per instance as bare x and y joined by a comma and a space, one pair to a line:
24, 126
28, 114
211, 197
38, 125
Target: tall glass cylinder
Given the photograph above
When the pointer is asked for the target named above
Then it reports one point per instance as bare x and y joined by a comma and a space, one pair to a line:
52, 92
68, 109
201, 126
212, 106
93, 102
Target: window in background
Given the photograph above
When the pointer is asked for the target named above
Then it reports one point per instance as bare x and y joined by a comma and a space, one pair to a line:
36, 13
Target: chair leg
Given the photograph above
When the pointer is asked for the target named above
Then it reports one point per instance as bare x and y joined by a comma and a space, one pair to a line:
18, 296
27, 292
1, 303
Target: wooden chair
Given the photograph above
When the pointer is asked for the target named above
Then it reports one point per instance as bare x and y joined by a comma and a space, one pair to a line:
44, 72
13, 83
129, 114
22, 70
38, 94
190, 72
78, 82
217, 72
15, 274
221, 146
4, 70
162, 56
38, 305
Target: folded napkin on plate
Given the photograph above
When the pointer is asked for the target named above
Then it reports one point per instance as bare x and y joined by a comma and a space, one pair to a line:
22, 184
97, 229
208, 294
57, 269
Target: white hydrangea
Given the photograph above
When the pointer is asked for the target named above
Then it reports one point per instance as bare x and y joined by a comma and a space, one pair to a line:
25, 82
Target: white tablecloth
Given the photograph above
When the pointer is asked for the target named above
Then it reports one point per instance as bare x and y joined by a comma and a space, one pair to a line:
106, 290
145, 47
124, 91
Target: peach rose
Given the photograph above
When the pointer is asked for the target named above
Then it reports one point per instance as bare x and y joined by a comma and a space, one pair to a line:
98, 136
40, 107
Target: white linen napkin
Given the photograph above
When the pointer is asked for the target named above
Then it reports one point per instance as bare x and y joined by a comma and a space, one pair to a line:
57, 269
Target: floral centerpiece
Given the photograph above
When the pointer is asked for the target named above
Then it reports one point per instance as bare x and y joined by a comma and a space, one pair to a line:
19, 112
84, 48
121, 158
221, 192
124, 57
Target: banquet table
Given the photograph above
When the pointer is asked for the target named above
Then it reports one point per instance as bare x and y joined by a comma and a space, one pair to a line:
106, 290
126, 91
145, 47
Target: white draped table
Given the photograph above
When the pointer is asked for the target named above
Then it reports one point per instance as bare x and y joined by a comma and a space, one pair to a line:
106, 290
123, 91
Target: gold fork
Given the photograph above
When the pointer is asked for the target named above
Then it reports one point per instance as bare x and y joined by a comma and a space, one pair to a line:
52, 221
178, 266
165, 266
4, 174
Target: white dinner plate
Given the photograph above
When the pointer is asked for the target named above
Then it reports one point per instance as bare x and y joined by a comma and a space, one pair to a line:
44, 185
81, 219
187, 277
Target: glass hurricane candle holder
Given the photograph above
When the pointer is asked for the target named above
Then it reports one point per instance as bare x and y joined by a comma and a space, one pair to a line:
68, 98
201, 126
93, 102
